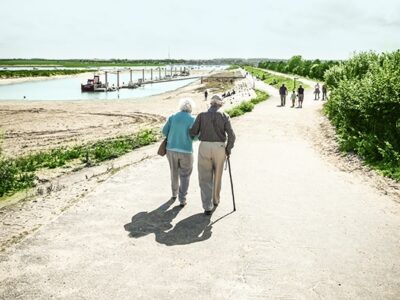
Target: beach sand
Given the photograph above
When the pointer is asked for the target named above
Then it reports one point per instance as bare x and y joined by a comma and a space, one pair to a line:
38, 125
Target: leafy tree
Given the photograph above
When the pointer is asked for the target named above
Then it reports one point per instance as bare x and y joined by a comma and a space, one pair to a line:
295, 62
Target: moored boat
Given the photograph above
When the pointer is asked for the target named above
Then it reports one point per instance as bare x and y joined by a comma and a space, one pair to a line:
94, 85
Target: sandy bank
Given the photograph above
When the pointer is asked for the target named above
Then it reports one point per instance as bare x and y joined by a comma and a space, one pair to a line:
41, 78
36, 125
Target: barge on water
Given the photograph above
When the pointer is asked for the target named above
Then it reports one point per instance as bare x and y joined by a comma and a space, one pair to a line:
95, 85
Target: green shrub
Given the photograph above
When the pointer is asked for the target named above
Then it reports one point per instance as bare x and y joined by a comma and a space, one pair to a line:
12, 179
364, 106
234, 112
246, 106
261, 96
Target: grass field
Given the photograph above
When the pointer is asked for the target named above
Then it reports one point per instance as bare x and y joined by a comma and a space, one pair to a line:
275, 80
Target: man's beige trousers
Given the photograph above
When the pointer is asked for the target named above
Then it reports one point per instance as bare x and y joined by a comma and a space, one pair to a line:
210, 166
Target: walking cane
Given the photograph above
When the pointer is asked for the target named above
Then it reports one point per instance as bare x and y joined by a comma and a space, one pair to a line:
230, 175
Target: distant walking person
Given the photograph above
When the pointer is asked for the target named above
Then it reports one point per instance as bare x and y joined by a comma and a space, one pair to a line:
214, 129
324, 92
293, 97
179, 149
317, 91
300, 95
205, 95
283, 94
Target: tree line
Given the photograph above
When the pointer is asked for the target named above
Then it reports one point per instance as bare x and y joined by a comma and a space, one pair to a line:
314, 69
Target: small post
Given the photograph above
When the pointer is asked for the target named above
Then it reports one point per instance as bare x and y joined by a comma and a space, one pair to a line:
117, 80
143, 75
130, 75
151, 76
165, 71
106, 79
171, 70
159, 73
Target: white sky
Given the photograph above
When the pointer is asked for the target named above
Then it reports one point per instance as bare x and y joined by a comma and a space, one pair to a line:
197, 29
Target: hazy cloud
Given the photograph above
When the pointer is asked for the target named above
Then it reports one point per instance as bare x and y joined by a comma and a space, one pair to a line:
197, 29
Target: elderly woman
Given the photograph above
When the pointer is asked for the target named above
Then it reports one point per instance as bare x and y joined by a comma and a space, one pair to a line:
213, 127
179, 149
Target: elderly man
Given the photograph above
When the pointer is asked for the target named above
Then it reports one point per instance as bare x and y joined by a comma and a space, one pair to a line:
212, 127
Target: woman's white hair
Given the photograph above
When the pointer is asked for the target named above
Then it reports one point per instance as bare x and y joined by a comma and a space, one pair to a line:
186, 104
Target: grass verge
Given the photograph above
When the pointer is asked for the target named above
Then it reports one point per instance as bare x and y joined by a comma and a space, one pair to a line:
19, 173
275, 80
247, 106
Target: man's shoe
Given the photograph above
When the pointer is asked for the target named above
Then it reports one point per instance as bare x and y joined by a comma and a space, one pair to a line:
208, 212
182, 204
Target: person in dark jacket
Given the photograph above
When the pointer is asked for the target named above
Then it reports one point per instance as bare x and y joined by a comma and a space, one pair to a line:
283, 93
215, 132
324, 92
300, 95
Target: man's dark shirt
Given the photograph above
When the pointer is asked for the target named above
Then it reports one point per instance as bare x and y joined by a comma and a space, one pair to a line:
214, 126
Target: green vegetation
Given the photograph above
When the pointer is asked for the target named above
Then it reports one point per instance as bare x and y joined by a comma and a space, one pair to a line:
247, 106
36, 73
364, 106
19, 173
274, 80
1, 143
260, 97
314, 69
233, 67
84, 63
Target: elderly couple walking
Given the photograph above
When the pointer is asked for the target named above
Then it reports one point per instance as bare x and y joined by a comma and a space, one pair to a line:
213, 128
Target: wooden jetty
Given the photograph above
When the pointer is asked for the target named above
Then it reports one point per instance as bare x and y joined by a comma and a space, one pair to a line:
169, 75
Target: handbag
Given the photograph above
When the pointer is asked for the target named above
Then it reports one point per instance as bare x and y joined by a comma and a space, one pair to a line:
162, 150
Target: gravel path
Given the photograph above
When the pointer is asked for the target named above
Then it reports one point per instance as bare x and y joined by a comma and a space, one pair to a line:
304, 229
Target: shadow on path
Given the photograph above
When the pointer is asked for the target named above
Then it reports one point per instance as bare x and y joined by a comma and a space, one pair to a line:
193, 229
196, 228
156, 221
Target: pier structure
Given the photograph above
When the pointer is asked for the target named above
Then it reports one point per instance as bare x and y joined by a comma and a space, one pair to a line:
175, 74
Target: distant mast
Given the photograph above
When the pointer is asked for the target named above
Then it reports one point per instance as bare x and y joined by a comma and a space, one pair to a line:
169, 59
